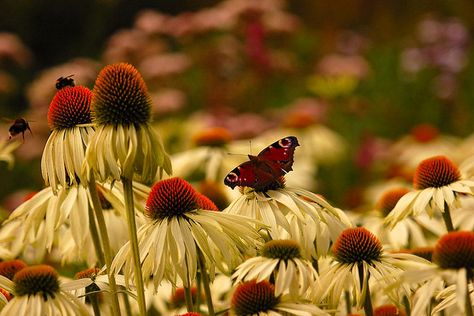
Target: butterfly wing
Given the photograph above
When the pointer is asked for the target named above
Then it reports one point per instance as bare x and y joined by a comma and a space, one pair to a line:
280, 154
266, 168
254, 173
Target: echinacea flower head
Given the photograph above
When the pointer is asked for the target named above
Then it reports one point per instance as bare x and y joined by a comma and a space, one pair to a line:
9, 268
455, 250
438, 184
293, 213
407, 233
389, 199
38, 292
252, 298
448, 275
281, 262
355, 245
69, 118
125, 144
358, 256
258, 298
178, 229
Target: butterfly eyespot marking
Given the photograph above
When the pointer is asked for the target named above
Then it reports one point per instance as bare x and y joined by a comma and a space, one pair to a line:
232, 176
284, 142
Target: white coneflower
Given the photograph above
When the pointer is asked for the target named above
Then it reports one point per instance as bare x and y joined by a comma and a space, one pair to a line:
38, 292
408, 232
282, 262
293, 213
69, 118
178, 229
359, 256
453, 263
258, 298
438, 185
124, 145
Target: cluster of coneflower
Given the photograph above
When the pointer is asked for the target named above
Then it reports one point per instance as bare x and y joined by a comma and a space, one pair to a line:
279, 251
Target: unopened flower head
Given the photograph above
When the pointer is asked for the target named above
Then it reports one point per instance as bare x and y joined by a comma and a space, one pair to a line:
125, 144
455, 250
356, 245
252, 298
9, 268
69, 118
121, 96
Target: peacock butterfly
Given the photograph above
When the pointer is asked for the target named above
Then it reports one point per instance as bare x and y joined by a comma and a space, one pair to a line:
265, 170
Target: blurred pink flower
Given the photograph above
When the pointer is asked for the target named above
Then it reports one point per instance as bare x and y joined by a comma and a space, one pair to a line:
343, 65
167, 101
162, 65
12, 49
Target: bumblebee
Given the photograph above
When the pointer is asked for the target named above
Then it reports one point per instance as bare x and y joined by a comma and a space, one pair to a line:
20, 125
62, 82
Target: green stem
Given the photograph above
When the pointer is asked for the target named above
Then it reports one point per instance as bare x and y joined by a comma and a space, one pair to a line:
105, 243
368, 309
406, 304
197, 303
205, 283
188, 298
126, 302
447, 218
468, 309
95, 304
347, 297
95, 238
132, 229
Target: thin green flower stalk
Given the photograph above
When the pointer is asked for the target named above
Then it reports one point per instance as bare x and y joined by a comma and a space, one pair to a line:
105, 243
125, 146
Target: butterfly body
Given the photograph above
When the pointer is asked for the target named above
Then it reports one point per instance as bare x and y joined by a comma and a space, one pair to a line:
266, 170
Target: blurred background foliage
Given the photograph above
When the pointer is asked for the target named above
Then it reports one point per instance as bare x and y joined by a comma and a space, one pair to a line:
376, 69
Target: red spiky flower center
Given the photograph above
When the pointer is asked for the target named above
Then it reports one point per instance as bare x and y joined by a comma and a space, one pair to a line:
355, 245
170, 197
251, 298
70, 106
121, 96
388, 310
435, 172
205, 203
9, 268
39, 279
455, 250
389, 199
